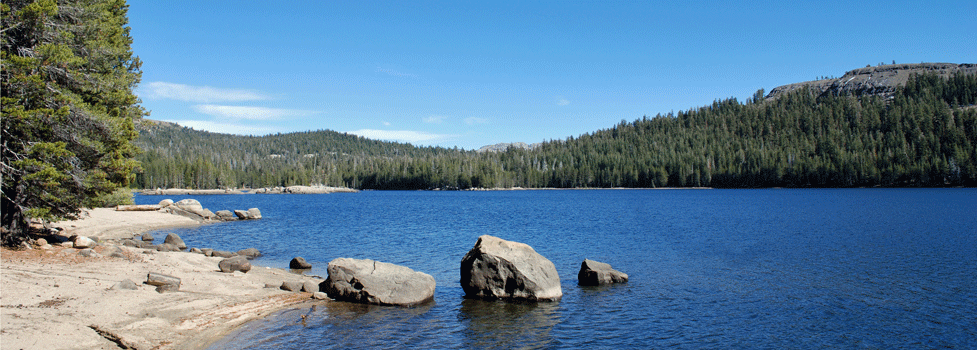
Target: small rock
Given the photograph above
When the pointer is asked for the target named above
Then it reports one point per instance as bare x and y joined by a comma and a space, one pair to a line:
299, 263
226, 215
114, 252
163, 283
595, 273
82, 242
131, 243
292, 286
319, 296
40, 242
237, 263
223, 254
174, 239
167, 247
310, 287
207, 251
196, 250
88, 253
271, 285
147, 237
249, 253
165, 203
254, 213
242, 214
126, 284
68, 244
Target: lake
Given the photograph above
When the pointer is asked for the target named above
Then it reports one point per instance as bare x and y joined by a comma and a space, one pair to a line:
752, 269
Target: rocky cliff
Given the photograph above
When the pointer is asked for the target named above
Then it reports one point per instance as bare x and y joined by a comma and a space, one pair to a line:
878, 80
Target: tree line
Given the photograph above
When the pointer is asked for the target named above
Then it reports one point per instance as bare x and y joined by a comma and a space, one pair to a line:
925, 134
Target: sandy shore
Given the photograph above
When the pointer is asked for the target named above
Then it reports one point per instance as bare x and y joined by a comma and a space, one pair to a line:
56, 299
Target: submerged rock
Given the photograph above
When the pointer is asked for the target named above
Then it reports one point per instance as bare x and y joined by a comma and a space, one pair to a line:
249, 253
595, 273
499, 269
374, 282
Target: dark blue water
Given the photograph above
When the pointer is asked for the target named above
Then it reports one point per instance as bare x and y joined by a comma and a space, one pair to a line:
756, 269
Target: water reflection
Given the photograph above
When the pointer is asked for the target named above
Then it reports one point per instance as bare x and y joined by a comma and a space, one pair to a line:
508, 325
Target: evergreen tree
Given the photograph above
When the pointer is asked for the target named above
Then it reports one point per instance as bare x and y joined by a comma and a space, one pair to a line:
68, 109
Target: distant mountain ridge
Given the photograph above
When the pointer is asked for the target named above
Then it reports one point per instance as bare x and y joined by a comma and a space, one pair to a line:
878, 80
876, 126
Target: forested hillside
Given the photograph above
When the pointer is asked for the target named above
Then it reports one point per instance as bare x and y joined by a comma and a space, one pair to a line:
923, 134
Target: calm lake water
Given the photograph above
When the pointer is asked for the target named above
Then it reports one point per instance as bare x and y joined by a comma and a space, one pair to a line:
752, 269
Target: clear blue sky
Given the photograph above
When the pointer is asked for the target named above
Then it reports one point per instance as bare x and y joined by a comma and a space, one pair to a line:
469, 74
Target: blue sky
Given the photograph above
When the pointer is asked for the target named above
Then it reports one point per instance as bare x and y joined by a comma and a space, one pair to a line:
469, 74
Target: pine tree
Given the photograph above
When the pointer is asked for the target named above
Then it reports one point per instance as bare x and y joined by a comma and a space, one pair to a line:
68, 109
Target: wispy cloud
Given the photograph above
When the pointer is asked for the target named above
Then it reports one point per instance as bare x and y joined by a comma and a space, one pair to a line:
204, 94
249, 113
434, 119
562, 101
475, 120
225, 128
393, 72
401, 135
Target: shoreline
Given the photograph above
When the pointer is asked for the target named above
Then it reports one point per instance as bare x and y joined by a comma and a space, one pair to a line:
54, 297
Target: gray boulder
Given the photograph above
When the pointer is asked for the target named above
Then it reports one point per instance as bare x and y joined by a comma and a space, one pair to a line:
165, 203
499, 269
249, 253
299, 263
254, 213
242, 214
237, 263
292, 286
226, 215
174, 239
147, 237
310, 287
207, 251
373, 282
191, 205
595, 273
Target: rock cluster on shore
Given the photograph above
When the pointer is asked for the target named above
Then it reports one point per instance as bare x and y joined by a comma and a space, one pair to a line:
191, 208
264, 190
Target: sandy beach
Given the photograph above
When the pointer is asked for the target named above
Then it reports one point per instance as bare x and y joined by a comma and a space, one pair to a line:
55, 298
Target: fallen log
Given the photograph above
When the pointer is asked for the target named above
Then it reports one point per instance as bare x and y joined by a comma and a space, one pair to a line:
138, 207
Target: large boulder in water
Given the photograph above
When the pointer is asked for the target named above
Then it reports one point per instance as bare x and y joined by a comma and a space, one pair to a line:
499, 269
595, 273
373, 282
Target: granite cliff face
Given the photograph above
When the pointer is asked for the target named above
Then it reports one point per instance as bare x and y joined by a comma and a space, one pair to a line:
878, 80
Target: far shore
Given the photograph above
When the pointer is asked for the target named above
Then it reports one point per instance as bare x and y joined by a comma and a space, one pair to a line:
55, 298
328, 190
